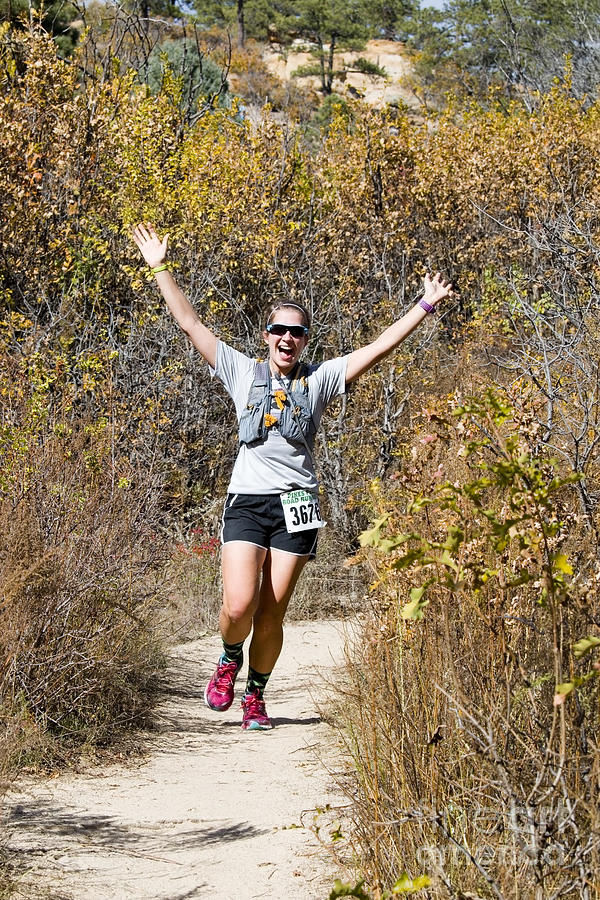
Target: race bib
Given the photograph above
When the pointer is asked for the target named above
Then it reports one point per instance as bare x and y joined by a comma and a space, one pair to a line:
301, 511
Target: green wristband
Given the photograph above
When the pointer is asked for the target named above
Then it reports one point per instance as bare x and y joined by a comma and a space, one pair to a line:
158, 269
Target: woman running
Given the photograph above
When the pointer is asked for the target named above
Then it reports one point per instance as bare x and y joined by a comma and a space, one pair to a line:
271, 518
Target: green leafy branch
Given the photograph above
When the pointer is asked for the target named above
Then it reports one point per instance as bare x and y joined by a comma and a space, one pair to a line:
404, 885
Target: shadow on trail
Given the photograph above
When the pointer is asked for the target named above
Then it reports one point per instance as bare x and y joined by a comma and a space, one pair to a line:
181, 692
187, 896
179, 723
45, 820
180, 705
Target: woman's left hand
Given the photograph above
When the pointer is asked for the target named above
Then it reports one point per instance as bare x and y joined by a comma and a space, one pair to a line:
436, 288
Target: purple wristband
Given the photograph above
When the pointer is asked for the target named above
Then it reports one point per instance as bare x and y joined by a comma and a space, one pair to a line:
426, 306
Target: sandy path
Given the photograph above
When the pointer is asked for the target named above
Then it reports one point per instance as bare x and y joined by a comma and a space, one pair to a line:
211, 811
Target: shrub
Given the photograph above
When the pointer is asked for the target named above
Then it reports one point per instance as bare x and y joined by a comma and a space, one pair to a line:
81, 550
368, 67
472, 768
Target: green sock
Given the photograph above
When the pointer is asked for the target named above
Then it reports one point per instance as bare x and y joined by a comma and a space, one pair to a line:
233, 652
257, 681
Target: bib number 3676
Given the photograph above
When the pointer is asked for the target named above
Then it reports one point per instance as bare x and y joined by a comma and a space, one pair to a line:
301, 511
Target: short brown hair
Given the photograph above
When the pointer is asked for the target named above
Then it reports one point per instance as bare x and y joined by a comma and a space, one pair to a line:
275, 307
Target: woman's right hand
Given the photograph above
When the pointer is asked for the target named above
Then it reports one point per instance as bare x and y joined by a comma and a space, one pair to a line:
150, 245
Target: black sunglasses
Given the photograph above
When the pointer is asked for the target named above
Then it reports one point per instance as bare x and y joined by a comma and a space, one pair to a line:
296, 331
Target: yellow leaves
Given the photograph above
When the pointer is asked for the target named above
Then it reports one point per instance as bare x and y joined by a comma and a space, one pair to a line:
269, 420
407, 885
89, 382
280, 398
562, 564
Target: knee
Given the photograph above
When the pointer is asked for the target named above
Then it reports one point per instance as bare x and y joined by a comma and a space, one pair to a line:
238, 611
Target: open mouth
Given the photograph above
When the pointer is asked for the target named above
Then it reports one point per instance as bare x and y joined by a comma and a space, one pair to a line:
286, 352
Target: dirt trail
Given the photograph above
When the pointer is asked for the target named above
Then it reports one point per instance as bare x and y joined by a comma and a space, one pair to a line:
211, 811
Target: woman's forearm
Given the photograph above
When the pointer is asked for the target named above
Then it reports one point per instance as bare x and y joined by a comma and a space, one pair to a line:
186, 317
154, 251
365, 357
436, 289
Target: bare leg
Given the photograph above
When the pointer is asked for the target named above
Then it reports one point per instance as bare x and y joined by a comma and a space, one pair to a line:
280, 572
241, 565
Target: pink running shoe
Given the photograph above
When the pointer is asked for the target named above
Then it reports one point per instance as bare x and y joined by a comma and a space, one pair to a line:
254, 717
218, 694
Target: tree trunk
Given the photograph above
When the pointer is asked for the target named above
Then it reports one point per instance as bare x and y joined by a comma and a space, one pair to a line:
322, 64
144, 7
241, 23
330, 64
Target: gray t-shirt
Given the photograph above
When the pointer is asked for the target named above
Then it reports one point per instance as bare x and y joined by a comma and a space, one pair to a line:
275, 465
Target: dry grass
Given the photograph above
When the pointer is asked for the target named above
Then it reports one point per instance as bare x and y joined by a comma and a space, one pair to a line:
467, 770
82, 559
81, 555
460, 771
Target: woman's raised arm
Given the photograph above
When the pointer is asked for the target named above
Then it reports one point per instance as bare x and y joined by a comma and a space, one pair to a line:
154, 251
436, 289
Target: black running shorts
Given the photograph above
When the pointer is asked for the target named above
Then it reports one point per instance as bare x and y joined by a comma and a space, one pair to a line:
258, 519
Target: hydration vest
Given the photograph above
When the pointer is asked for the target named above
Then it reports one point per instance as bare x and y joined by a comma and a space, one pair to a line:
295, 422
